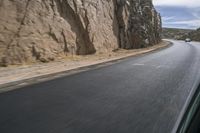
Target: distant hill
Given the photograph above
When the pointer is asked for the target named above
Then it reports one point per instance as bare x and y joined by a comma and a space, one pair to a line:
172, 33
194, 35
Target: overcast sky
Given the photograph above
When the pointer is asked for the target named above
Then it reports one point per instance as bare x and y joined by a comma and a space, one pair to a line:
179, 13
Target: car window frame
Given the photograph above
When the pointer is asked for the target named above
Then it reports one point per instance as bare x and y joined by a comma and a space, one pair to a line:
190, 112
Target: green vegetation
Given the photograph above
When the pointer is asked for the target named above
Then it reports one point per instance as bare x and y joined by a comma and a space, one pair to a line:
194, 35
181, 34
172, 33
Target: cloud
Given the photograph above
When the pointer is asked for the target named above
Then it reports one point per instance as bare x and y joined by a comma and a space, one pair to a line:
179, 17
189, 23
180, 3
196, 13
166, 19
186, 24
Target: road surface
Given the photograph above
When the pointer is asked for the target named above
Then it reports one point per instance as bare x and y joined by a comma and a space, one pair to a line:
143, 94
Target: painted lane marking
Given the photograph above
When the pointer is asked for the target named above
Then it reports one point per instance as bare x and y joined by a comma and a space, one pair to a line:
137, 64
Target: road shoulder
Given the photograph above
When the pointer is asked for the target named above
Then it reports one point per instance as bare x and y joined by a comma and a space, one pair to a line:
18, 76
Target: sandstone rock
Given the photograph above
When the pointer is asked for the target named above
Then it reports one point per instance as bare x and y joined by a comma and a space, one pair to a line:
43, 30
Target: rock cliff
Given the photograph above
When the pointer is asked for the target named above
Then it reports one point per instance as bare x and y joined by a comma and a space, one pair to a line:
43, 30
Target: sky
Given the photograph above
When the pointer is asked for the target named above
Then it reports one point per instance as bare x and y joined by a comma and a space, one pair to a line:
183, 14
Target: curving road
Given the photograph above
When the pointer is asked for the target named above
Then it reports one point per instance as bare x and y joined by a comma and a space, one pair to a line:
143, 94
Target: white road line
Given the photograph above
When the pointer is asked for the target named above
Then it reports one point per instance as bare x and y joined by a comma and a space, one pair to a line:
138, 64
158, 66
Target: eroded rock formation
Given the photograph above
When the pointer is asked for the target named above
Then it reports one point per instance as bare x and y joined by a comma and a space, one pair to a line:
139, 23
43, 30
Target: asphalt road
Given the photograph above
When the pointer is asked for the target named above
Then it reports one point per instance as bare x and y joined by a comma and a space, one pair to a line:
143, 94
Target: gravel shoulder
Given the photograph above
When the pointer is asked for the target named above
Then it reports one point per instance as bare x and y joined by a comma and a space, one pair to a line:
20, 75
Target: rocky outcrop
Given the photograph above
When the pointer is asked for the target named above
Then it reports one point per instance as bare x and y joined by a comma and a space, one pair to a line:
43, 30
139, 23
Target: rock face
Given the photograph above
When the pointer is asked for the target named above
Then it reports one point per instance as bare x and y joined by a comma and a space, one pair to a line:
139, 23
43, 30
